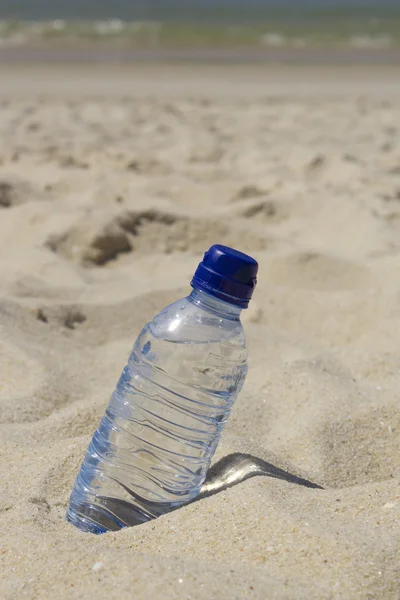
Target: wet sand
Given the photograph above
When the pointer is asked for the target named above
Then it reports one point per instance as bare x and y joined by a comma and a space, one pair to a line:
105, 54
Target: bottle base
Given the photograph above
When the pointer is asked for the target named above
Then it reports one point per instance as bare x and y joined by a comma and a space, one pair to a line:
84, 524
90, 519
99, 519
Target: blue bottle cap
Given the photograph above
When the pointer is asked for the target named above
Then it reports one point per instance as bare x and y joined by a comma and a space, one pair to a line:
227, 274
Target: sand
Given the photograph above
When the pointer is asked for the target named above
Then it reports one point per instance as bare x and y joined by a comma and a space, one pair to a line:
109, 193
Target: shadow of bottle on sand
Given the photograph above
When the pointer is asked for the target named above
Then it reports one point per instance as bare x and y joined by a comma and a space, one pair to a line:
227, 472
236, 468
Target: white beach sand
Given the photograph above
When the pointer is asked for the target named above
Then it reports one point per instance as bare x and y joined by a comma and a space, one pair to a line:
110, 191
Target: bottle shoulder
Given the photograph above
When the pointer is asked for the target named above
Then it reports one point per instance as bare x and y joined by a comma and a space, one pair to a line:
185, 321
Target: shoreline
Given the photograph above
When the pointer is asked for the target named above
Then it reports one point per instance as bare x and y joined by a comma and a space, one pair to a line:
107, 54
166, 80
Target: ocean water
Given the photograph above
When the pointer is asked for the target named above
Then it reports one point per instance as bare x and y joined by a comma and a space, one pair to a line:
209, 10
176, 24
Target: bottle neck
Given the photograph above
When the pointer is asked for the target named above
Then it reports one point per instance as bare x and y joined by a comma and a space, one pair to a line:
212, 304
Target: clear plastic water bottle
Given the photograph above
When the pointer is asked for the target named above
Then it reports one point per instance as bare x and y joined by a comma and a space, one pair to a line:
152, 449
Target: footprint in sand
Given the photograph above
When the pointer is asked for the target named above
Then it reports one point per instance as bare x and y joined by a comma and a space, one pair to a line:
146, 231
